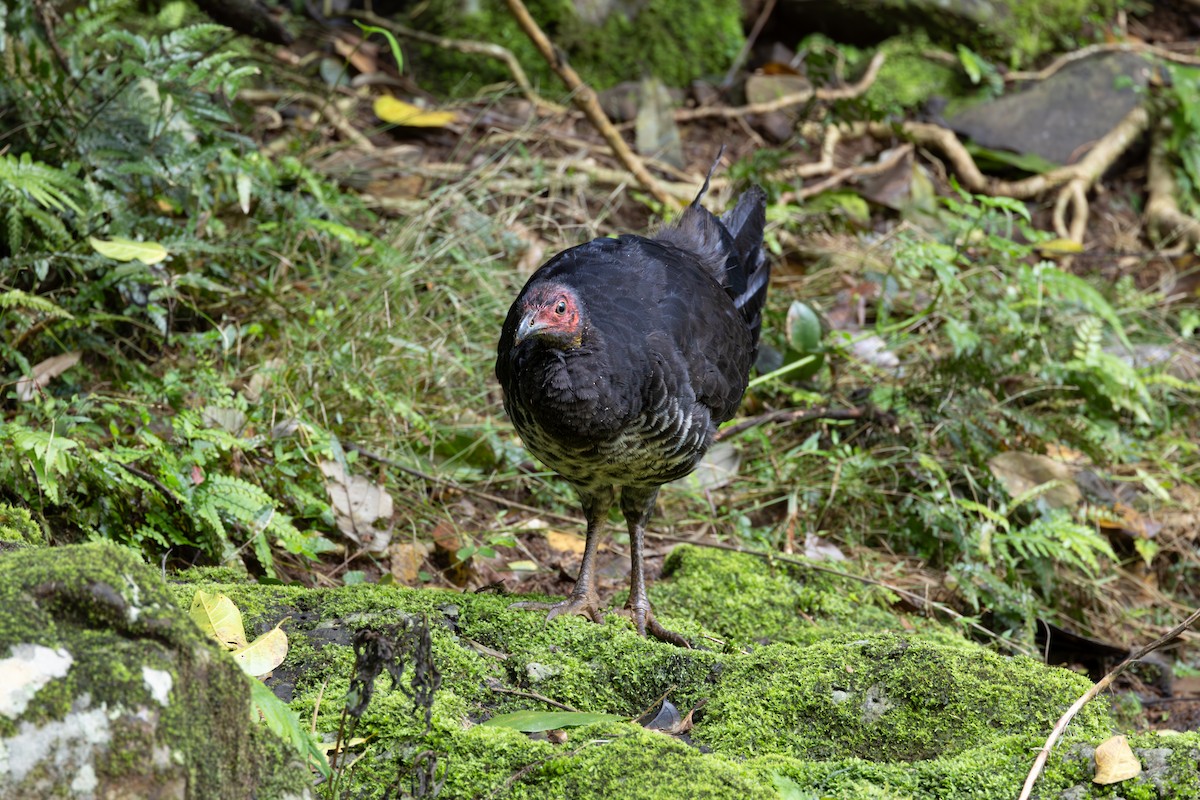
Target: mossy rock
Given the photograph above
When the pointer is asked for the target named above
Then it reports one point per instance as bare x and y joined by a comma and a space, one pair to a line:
835, 702
1013, 32
109, 690
676, 41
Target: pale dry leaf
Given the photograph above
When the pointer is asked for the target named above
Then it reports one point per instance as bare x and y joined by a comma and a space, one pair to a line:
361, 55
1021, 472
1115, 761
263, 654
218, 618
358, 504
43, 373
718, 468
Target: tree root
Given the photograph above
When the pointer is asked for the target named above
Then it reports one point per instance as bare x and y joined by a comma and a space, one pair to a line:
1162, 216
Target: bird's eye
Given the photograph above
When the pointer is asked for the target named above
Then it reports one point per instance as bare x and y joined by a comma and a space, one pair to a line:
561, 308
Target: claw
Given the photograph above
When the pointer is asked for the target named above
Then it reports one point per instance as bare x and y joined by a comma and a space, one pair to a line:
645, 622
584, 605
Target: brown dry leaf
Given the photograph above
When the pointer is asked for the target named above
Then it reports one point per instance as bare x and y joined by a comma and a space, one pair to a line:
396, 111
43, 373
566, 542
1115, 761
405, 561
358, 504
1020, 472
1067, 454
360, 54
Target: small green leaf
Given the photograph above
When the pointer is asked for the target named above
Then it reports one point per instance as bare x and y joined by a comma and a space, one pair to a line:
535, 721
121, 249
395, 45
286, 725
804, 328
971, 63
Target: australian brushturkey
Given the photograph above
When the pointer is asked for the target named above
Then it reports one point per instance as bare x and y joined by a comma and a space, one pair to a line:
619, 359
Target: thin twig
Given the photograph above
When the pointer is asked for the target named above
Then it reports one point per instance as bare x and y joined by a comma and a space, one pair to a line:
788, 100
493, 498
1116, 47
789, 415
466, 46
585, 99
535, 696
323, 105
1060, 726
852, 173
740, 59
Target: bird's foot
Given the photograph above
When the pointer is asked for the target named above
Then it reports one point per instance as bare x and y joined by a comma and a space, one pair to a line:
584, 603
645, 622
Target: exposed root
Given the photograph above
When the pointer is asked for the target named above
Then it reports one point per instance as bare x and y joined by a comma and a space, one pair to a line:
1163, 216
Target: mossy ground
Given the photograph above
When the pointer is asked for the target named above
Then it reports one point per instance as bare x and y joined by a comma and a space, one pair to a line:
846, 701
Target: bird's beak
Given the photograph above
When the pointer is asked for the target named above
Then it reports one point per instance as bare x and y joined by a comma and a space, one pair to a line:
529, 326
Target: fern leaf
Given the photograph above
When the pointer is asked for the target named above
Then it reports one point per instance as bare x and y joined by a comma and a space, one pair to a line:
1074, 289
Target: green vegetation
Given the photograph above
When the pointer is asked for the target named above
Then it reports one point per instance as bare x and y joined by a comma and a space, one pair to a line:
200, 320
690, 41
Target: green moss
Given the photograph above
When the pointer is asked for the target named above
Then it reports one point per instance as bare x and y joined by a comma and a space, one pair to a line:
743, 599
689, 40
866, 712
1015, 33
140, 670
886, 698
18, 527
909, 77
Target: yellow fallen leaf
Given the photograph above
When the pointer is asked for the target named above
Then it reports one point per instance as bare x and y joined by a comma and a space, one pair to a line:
1115, 761
219, 618
1060, 247
398, 112
566, 542
263, 654
523, 565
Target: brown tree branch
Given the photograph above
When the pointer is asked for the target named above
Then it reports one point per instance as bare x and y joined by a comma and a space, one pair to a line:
585, 99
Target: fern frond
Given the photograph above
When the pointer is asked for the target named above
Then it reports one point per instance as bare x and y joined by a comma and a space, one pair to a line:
1072, 289
15, 298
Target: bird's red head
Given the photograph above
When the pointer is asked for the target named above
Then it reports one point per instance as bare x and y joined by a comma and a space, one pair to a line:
551, 313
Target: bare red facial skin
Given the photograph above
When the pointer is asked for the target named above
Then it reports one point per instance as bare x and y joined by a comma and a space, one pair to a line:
551, 314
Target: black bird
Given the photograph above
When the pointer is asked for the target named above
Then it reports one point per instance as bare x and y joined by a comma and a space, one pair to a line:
619, 359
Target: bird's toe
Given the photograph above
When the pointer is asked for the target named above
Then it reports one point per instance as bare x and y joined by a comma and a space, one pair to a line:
584, 605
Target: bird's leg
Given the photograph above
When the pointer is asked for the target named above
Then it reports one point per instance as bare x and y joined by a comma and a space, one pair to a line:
582, 599
637, 504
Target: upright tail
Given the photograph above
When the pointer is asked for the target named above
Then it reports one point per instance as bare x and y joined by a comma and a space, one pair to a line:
730, 247
745, 223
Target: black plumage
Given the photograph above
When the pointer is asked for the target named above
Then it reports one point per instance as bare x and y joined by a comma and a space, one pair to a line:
619, 359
